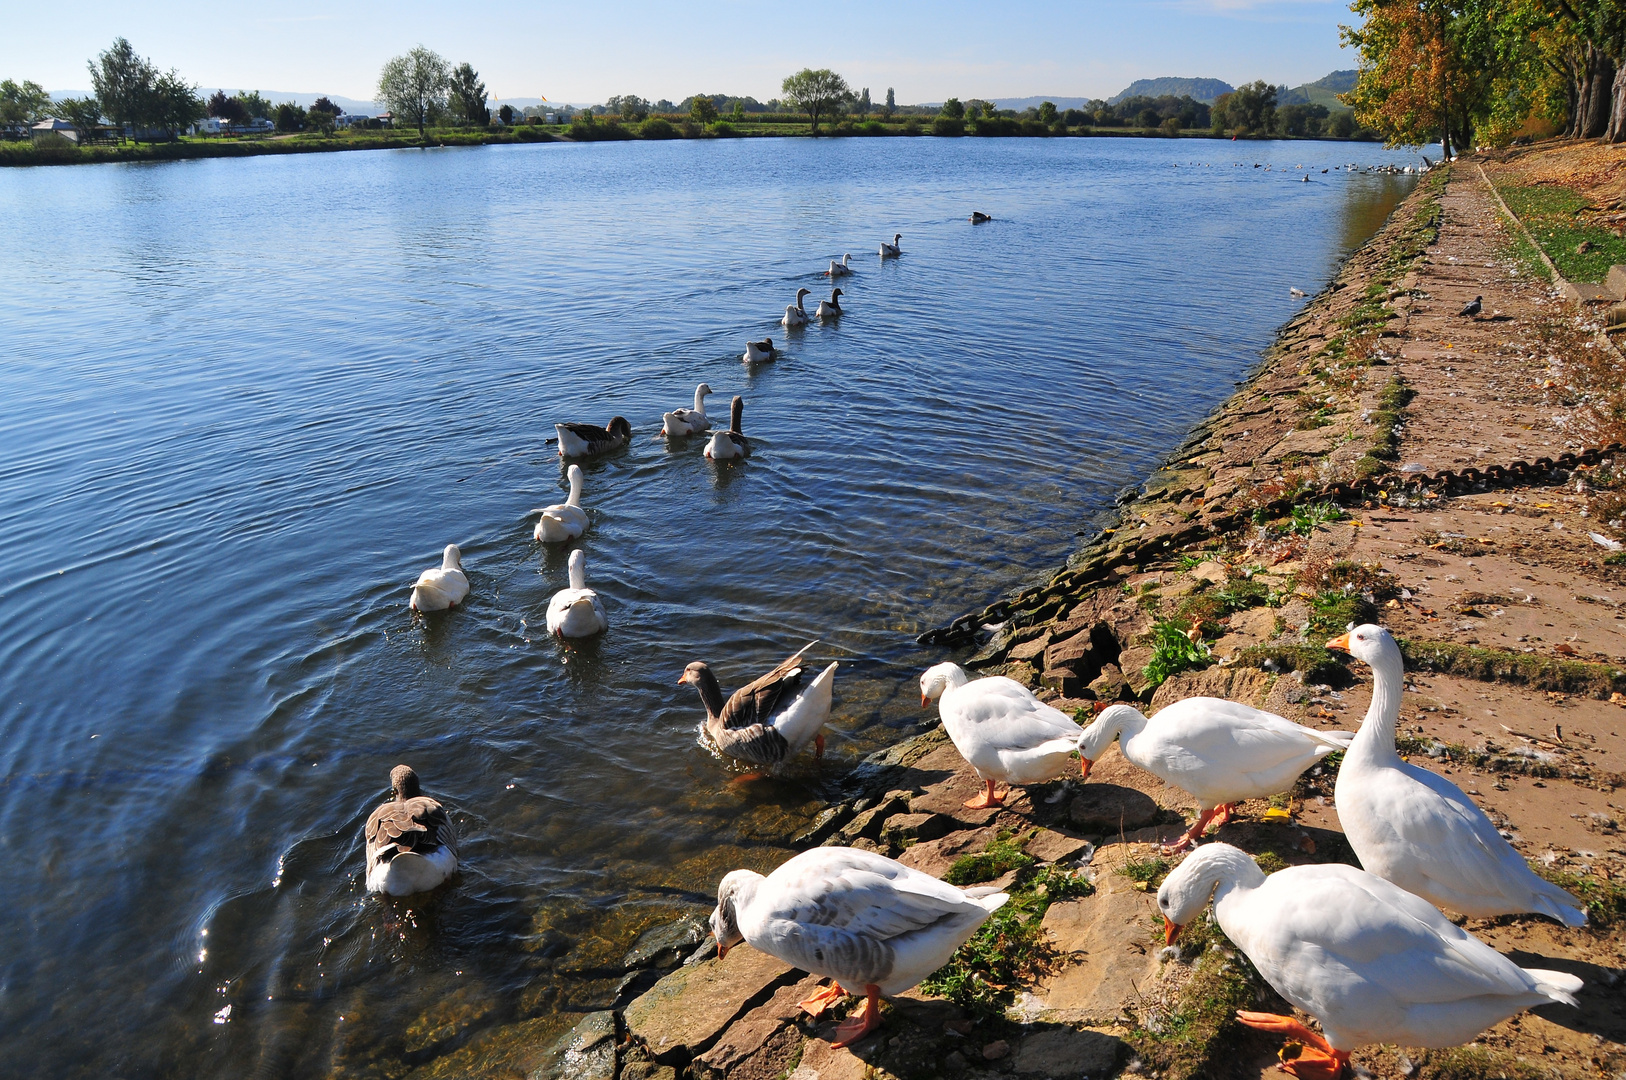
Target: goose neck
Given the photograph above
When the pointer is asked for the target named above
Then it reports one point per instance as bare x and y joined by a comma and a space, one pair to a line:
1376, 739
575, 498
711, 696
700, 401
578, 571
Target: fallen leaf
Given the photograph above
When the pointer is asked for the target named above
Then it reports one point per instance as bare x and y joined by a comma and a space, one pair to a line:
1276, 813
1563, 648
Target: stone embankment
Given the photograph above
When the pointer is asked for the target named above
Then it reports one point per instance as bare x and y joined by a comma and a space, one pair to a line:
1225, 576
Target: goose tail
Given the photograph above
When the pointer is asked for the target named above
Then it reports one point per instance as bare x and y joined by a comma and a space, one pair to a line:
1557, 985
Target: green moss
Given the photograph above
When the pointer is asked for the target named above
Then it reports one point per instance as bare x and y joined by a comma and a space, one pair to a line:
1270, 862
1386, 419
1317, 664
1002, 856
1524, 669
1149, 872
1198, 1033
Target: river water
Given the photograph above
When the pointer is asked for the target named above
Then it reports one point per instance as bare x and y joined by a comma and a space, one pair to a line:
246, 401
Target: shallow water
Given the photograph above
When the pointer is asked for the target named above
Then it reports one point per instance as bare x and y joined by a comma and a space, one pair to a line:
247, 401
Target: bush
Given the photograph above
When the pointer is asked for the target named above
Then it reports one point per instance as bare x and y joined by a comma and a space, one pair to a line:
872, 127
946, 125
912, 126
529, 133
724, 130
657, 128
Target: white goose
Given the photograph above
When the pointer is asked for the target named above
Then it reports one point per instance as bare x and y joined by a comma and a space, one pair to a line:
1000, 728
767, 721
796, 314
1418, 829
894, 249
730, 444
441, 587
1219, 751
577, 611
831, 308
411, 845
866, 921
758, 352
566, 520
840, 269
1371, 962
681, 422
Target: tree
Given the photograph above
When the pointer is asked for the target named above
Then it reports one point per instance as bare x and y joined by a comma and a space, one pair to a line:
255, 104
229, 109
702, 110
174, 103
468, 95
738, 115
817, 93
953, 109
630, 107
863, 107
290, 117
1047, 112
1171, 127
891, 102
506, 114
83, 113
123, 83
414, 87
23, 104
1248, 109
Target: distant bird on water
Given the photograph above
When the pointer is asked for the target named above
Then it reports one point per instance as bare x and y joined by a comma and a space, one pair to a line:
894, 249
1295, 292
1470, 310
978, 217
758, 352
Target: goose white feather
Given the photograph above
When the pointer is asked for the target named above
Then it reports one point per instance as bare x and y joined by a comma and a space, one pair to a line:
681, 422
758, 352
1418, 829
411, 844
999, 727
840, 269
577, 611
831, 308
1372, 962
585, 440
796, 314
731, 444
443, 586
566, 520
769, 720
894, 249
866, 921
1219, 751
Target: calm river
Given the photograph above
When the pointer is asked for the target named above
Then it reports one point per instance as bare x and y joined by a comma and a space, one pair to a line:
245, 402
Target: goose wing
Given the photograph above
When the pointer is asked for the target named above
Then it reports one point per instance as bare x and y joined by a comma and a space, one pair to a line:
756, 702
1213, 732
419, 825
1008, 717
588, 433
758, 744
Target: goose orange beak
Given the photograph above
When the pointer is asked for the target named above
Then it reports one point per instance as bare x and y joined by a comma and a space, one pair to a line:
1341, 642
1170, 931
1084, 764
722, 950
924, 701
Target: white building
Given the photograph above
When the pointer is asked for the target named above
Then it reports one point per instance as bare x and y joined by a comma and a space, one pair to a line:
52, 128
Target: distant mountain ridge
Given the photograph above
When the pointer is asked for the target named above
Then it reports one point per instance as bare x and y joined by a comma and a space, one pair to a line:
1324, 91
1203, 90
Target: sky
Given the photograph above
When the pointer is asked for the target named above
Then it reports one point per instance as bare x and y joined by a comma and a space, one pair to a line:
926, 51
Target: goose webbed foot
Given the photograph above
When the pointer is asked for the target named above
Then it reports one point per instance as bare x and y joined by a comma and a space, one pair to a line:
987, 798
1306, 1054
854, 1028
821, 999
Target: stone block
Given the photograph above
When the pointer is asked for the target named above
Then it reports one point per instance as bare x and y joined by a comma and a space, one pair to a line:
1080, 652
1063, 1051
585, 1052
821, 1062
1110, 685
682, 1015
1615, 281
1048, 845
1063, 680
760, 1044
934, 857
666, 946
1112, 950
1245, 684
868, 824
900, 828
1132, 662
1030, 649
1212, 572
1115, 797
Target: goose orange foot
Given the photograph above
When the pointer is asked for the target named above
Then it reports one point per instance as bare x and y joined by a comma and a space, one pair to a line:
987, 798
1193, 834
1306, 1055
854, 1028
822, 998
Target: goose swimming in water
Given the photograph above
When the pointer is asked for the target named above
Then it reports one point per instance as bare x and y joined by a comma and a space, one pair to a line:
730, 444
831, 308
441, 587
758, 352
862, 919
796, 314
770, 720
1295, 292
894, 249
840, 269
681, 422
411, 845
566, 520
978, 217
585, 440
577, 611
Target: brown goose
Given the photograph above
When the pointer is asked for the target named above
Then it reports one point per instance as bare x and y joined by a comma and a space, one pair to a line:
767, 721
411, 845
726, 445
585, 440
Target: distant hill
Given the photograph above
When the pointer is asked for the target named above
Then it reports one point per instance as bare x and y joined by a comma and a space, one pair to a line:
1324, 91
1203, 90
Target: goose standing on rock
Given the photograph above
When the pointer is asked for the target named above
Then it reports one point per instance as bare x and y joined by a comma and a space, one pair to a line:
730, 444
1000, 728
869, 922
441, 587
566, 520
411, 845
1218, 751
1372, 962
758, 352
585, 440
831, 308
577, 611
1417, 829
680, 422
796, 314
840, 269
766, 722
894, 249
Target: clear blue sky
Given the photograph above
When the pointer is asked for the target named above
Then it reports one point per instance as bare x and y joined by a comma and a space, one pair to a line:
928, 51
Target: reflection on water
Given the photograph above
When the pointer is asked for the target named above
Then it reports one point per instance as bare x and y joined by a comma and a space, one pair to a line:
248, 401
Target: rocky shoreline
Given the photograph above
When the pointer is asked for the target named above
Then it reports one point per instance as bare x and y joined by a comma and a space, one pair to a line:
1224, 575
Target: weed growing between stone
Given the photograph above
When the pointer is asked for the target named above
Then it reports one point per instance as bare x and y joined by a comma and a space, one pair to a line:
1002, 856
1174, 649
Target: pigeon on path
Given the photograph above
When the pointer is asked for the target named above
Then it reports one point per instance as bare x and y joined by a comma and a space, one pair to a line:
1470, 310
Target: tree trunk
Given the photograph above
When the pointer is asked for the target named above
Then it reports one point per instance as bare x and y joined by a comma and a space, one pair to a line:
1593, 118
1617, 107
